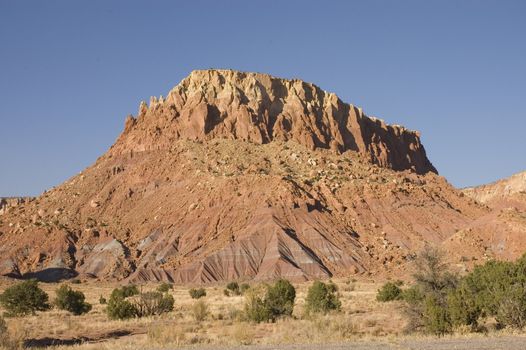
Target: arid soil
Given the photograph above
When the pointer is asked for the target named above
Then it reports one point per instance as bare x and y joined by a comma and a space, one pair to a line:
363, 323
243, 176
481, 343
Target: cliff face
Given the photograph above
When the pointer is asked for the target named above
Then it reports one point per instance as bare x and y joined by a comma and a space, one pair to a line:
238, 176
259, 108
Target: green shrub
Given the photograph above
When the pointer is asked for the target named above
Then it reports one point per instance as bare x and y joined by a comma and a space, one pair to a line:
414, 308
322, 298
197, 293
71, 300
279, 299
153, 303
440, 302
102, 300
130, 290
232, 288
124, 292
255, 308
412, 295
462, 307
200, 310
436, 317
389, 292
497, 289
125, 303
164, 287
24, 298
494, 289
244, 287
118, 307
512, 310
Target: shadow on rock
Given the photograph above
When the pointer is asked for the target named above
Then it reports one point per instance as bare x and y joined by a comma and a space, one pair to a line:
54, 274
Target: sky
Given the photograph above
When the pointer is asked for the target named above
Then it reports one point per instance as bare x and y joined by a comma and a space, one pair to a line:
71, 71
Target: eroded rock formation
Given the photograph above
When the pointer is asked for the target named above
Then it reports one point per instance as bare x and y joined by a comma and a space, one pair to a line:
238, 176
259, 108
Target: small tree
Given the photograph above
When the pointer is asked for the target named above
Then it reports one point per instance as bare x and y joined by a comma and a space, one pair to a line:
432, 273
71, 300
427, 302
389, 292
24, 298
322, 298
197, 293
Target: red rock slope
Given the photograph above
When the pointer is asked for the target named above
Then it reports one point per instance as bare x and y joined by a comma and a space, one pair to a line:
240, 176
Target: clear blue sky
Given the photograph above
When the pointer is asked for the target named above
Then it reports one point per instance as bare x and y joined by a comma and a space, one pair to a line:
70, 71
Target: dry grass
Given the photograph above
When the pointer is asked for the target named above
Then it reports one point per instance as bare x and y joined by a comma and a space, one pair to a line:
215, 319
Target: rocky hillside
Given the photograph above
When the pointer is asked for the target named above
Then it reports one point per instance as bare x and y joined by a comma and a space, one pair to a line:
502, 231
238, 176
506, 192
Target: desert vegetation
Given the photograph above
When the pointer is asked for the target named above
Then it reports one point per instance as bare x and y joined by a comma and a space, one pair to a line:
262, 313
322, 298
128, 302
197, 293
71, 300
24, 298
436, 302
440, 302
277, 302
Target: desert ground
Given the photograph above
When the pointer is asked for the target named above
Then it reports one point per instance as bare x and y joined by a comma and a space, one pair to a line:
363, 323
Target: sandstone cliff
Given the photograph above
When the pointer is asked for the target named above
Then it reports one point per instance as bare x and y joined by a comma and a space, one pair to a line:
259, 108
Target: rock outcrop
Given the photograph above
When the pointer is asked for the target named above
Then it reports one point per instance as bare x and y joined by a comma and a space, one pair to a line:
238, 176
259, 108
510, 191
11, 202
